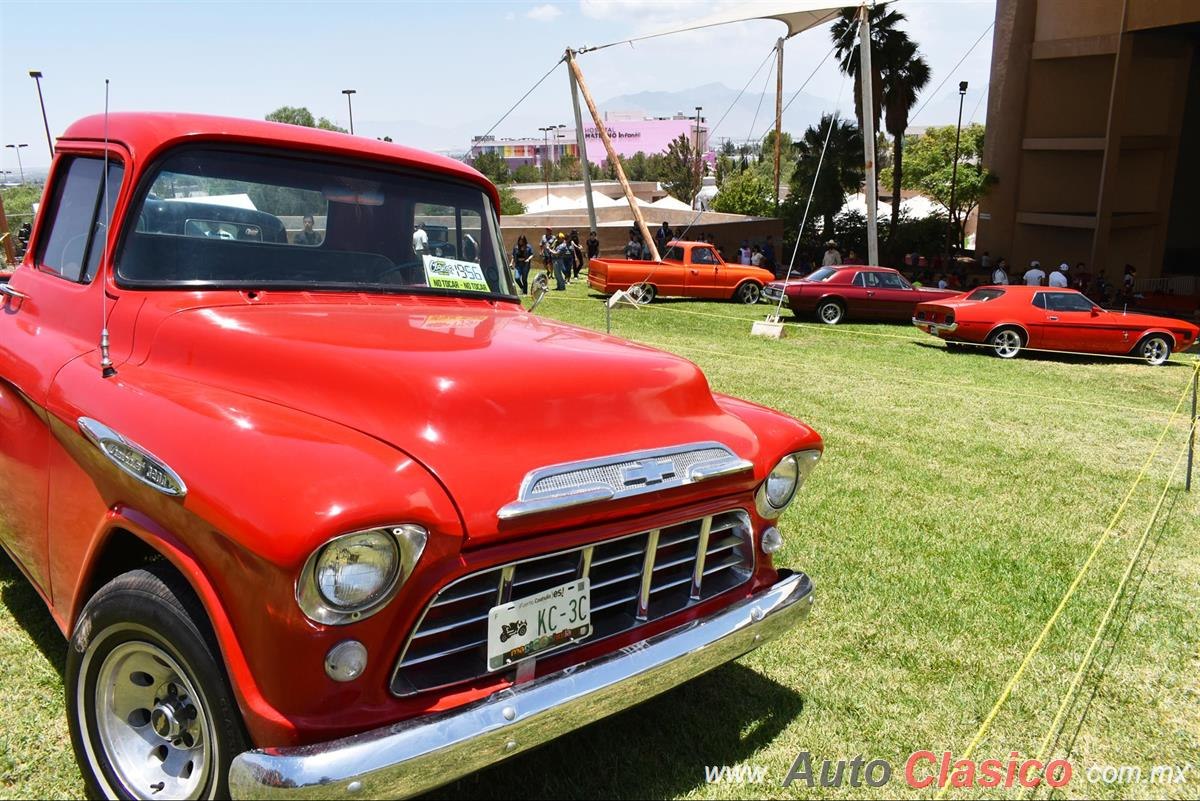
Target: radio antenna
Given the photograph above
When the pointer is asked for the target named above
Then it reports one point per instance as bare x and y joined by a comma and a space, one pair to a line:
106, 365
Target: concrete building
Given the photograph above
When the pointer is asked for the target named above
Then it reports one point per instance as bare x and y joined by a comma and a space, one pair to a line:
629, 135
1093, 132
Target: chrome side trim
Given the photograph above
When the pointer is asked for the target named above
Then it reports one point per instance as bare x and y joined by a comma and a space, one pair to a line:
418, 755
621, 476
132, 458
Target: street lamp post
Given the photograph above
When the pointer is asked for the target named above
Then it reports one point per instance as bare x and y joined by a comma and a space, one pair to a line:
698, 167
350, 106
17, 148
37, 78
962, 93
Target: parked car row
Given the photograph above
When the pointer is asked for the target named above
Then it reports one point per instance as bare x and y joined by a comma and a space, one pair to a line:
1005, 319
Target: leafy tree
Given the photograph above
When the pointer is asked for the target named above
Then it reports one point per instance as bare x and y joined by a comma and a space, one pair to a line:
745, 193
509, 204
840, 174
526, 174
905, 74
930, 169
493, 166
299, 115
679, 174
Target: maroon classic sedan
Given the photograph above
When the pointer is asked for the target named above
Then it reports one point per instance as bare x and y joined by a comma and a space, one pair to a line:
834, 294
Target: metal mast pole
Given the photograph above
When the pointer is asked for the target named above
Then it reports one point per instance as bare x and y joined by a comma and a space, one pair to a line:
580, 143
778, 113
868, 107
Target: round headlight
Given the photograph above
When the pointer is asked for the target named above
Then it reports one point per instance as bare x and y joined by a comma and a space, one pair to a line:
782, 482
356, 571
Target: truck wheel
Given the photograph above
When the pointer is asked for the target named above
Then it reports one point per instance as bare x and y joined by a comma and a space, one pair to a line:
748, 293
830, 312
643, 293
1006, 343
1155, 349
149, 707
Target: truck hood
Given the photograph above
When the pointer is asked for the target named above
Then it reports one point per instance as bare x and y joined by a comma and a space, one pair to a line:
480, 394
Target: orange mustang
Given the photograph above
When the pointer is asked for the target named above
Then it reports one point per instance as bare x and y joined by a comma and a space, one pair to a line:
691, 269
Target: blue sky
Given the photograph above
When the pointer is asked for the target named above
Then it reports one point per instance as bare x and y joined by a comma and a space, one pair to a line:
427, 74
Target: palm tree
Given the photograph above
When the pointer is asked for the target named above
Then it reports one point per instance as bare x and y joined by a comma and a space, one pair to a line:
884, 35
904, 74
841, 172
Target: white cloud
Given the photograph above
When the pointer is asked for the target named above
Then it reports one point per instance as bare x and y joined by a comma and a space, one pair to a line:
544, 13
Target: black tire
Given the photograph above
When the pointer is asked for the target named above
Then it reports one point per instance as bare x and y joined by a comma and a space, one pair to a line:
644, 293
748, 293
150, 617
1155, 349
1006, 342
830, 312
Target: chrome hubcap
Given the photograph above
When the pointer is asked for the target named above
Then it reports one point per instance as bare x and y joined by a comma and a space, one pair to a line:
151, 724
1007, 343
831, 313
1155, 351
750, 294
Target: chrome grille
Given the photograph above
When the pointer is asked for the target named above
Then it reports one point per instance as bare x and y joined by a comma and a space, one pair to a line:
634, 579
612, 475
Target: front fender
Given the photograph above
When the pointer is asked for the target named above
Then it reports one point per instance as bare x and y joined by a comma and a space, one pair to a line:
266, 485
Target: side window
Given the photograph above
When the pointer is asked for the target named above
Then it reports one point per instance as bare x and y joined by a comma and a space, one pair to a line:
703, 256
891, 281
71, 248
1039, 300
860, 279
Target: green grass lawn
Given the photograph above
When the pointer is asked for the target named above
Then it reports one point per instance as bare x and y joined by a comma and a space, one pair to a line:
958, 497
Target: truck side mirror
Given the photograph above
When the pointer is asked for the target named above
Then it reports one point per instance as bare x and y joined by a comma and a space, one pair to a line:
538, 287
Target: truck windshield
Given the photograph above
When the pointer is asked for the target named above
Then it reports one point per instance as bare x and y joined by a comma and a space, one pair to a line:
214, 218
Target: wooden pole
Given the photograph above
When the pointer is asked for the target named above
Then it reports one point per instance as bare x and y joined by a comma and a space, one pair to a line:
581, 144
868, 106
613, 160
778, 113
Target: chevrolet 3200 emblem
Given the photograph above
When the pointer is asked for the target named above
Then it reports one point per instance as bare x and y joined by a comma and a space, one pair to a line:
646, 473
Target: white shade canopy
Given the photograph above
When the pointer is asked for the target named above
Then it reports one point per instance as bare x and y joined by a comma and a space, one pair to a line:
797, 15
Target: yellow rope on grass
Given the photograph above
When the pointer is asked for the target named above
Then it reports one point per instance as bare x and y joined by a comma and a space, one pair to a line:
1104, 621
1037, 644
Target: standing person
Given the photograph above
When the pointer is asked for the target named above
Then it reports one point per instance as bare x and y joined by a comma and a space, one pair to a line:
522, 259
756, 257
1082, 278
833, 256
1034, 276
576, 254
853, 258
1127, 282
985, 261
308, 236
768, 251
744, 252
547, 248
562, 262
662, 236
420, 240
1058, 278
633, 251
1000, 274
593, 246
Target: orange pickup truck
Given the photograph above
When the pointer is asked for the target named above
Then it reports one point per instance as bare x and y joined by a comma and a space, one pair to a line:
690, 269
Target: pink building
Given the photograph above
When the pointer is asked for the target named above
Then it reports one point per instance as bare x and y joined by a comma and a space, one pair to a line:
628, 136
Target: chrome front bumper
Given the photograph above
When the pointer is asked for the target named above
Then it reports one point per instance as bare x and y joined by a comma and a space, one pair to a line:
420, 754
935, 328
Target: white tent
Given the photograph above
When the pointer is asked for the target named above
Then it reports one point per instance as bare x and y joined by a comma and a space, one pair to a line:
554, 203
798, 16
602, 201
238, 201
669, 202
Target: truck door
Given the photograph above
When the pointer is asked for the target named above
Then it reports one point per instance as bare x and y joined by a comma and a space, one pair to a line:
51, 314
703, 275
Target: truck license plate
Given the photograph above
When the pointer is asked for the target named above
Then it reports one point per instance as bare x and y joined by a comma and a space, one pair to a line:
538, 623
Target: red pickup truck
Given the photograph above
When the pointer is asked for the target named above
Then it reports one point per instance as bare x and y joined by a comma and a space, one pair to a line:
259, 475
690, 269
